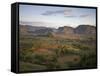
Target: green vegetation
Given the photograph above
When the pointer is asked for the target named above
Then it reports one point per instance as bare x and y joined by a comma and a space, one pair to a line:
42, 53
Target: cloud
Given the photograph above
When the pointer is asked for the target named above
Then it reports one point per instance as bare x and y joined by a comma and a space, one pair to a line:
84, 15
63, 12
69, 13
53, 12
66, 13
70, 16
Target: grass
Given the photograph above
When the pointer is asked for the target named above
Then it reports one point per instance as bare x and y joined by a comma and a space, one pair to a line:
26, 66
39, 53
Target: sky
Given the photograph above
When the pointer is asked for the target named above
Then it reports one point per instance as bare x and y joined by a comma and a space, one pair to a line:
57, 16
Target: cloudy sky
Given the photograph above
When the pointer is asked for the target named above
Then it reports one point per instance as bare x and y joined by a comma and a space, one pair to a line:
58, 16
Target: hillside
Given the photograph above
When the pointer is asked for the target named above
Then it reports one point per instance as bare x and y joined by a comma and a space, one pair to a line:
62, 32
68, 47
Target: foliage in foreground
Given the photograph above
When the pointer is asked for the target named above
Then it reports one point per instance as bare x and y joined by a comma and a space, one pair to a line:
40, 53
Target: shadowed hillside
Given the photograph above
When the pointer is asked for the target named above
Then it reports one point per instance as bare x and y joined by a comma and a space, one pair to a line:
63, 32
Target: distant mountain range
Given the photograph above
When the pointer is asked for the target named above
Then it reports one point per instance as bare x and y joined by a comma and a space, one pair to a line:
64, 32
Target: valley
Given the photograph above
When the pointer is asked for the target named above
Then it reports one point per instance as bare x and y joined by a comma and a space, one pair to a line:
44, 48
